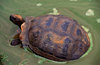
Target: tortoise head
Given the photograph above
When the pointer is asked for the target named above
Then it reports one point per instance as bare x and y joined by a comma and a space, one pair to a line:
16, 19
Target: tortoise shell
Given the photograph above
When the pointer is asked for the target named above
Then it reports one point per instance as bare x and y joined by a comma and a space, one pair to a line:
55, 37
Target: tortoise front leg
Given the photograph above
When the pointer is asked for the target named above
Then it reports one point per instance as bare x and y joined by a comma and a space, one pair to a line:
16, 40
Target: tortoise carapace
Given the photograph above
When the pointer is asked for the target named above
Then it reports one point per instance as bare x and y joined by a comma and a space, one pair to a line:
55, 37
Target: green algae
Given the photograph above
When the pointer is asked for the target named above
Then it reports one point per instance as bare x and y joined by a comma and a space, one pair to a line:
55, 12
91, 41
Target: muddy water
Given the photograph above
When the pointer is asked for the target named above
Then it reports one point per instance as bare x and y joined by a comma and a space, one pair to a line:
72, 8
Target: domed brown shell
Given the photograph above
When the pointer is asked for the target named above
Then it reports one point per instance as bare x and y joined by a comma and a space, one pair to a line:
55, 37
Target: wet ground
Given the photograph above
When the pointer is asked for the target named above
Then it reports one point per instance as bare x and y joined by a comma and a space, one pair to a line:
86, 12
